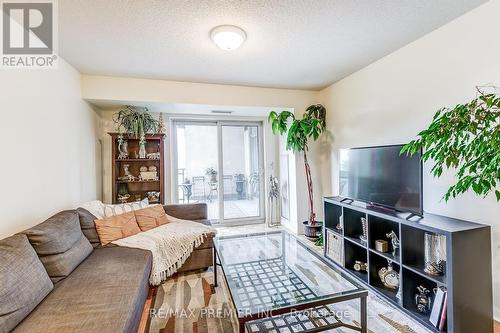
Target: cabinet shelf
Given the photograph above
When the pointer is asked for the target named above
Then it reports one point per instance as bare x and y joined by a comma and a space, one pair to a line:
387, 255
356, 241
137, 160
439, 279
136, 181
334, 230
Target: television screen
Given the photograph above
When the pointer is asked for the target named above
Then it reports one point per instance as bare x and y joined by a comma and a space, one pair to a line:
381, 176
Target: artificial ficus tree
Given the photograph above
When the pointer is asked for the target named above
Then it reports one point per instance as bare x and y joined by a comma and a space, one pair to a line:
467, 138
299, 131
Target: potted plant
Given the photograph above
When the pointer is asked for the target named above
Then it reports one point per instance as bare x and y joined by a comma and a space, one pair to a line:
136, 121
311, 125
467, 138
211, 173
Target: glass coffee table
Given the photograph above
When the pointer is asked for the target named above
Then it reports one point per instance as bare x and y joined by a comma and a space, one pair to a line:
277, 283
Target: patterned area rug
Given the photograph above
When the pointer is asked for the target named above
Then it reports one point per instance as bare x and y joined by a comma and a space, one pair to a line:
190, 303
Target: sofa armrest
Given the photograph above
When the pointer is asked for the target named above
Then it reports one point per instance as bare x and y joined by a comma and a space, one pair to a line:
192, 212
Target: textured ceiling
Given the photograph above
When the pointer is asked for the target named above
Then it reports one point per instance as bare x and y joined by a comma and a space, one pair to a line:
291, 44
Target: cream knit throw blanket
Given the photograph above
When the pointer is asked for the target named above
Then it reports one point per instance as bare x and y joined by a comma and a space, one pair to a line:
171, 244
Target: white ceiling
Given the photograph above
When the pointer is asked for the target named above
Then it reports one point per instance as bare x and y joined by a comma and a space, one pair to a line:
306, 44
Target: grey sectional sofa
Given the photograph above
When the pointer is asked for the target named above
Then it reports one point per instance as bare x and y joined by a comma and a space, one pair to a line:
55, 277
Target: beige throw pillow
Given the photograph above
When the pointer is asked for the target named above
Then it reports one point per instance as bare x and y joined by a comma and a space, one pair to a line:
116, 227
151, 217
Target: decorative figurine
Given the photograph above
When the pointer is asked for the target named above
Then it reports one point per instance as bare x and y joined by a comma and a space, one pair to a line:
340, 224
161, 125
143, 168
273, 201
364, 225
394, 241
153, 156
148, 175
152, 168
126, 174
388, 276
153, 197
434, 254
122, 148
423, 299
123, 198
360, 266
142, 147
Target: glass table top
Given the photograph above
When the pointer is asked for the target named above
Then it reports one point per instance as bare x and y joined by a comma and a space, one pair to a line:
271, 271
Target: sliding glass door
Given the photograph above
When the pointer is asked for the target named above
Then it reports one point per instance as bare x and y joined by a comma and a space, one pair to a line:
220, 163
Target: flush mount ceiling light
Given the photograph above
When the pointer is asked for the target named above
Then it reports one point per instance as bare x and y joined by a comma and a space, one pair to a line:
228, 37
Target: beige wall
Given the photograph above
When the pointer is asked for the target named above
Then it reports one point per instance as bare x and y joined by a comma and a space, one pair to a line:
392, 99
113, 90
50, 152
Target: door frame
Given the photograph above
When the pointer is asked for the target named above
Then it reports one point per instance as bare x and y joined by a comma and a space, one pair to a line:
219, 124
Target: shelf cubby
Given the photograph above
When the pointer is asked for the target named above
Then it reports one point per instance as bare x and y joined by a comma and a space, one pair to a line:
334, 214
411, 281
353, 227
377, 262
354, 252
413, 248
379, 228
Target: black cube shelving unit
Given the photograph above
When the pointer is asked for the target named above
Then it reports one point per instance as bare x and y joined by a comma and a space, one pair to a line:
467, 275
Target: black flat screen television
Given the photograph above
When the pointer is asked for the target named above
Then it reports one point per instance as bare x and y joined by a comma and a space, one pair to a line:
381, 176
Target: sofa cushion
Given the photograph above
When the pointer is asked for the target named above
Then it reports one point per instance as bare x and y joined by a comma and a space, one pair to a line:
60, 243
23, 281
117, 227
151, 217
106, 293
87, 225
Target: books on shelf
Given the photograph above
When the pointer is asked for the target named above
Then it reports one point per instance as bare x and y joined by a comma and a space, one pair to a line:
439, 309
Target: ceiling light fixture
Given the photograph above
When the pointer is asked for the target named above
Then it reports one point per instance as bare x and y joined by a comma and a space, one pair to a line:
228, 37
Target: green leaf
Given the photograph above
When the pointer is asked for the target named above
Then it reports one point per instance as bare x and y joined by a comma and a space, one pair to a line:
465, 137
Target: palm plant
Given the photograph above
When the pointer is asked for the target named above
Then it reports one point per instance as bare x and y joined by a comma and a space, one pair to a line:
311, 125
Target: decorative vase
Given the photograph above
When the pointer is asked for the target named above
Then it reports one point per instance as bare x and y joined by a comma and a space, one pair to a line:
123, 149
434, 254
142, 149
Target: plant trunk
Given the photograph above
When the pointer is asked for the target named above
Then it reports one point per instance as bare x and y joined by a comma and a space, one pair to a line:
312, 216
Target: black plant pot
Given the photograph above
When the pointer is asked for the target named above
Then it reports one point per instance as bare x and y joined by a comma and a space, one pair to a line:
312, 232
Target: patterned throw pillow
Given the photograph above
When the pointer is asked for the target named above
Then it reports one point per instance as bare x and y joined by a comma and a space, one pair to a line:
95, 207
116, 227
151, 217
113, 210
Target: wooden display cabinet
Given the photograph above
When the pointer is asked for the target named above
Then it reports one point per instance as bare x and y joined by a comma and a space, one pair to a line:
138, 189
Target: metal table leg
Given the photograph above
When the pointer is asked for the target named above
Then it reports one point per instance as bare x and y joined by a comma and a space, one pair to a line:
364, 315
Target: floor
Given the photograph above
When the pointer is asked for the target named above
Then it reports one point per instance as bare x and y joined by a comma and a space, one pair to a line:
190, 303
232, 208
